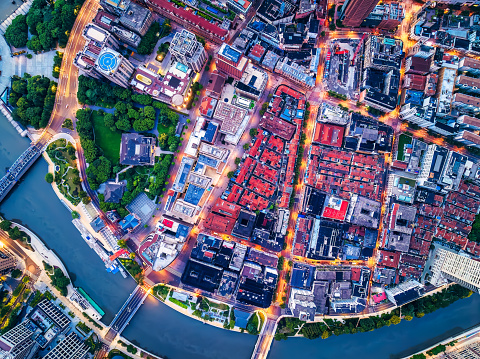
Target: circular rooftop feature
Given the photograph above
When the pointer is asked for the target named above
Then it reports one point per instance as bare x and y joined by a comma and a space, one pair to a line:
177, 100
107, 61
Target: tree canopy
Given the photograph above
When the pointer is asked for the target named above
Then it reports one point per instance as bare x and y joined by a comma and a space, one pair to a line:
17, 32
33, 99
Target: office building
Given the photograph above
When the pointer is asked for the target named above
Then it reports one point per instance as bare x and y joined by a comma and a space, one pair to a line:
385, 16
7, 261
72, 347
17, 343
116, 7
99, 58
459, 268
113, 66
231, 62
355, 11
186, 49
295, 72
468, 138
137, 18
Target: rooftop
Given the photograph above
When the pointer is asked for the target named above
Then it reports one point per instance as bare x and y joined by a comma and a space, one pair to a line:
136, 149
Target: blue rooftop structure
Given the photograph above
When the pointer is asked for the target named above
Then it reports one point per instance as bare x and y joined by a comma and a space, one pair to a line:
302, 276
208, 161
194, 194
107, 61
231, 54
210, 132
97, 224
414, 97
129, 222
241, 318
182, 231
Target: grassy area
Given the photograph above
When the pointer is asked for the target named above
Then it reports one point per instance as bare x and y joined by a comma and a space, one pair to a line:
262, 319
179, 303
63, 156
161, 292
408, 181
164, 129
402, 141
107, 140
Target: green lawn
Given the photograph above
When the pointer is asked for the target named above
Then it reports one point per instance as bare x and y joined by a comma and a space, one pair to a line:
107, 140
163, 129
402, 141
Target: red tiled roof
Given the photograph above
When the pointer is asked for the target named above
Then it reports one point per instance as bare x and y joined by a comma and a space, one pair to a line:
190, 17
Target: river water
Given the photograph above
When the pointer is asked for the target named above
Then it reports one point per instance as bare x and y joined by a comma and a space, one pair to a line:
164, 331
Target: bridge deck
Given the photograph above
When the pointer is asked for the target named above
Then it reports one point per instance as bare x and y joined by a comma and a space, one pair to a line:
128, 310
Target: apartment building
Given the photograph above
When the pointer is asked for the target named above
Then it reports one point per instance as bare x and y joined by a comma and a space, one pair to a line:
459, 268
186, 49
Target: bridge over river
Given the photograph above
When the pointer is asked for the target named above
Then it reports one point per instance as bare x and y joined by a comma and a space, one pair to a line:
22, 164
128, 310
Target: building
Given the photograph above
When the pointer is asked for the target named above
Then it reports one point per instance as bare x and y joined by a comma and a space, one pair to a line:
231, 61
231, 117
7, 261
116, 7
113, 66
355, 11
276, 12
383, 53
295, 72
137, 150
99, 58
189, 20
146, 80
186, 49
468, 138
459, 268
253, 82
72, 347
109, 22
176, 83
17, 343
215, 85
417, 65
136, 18
466, 103
405, 292
113, 192
469, 64
239, 6
385, 16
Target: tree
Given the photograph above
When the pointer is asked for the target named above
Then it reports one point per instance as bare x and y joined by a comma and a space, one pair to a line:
230, 174
325, 334
395, 319
99, 171
148, 42
238, 160
253, 132
14, 233
60, 281
86, 200
17, 32
49, 177
246, 146
89, 149
5, 225
122, 243
123, 125
109, 121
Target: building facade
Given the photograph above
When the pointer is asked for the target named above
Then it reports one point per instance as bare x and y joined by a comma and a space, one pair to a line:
458, 268
186, 49
355, 11
7, 261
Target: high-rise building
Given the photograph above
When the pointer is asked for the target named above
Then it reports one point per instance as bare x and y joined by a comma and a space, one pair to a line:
72, 347
459, 268
114, 67
99, 57
17, 343
7, 261
355, 11
186, 49
231, 62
